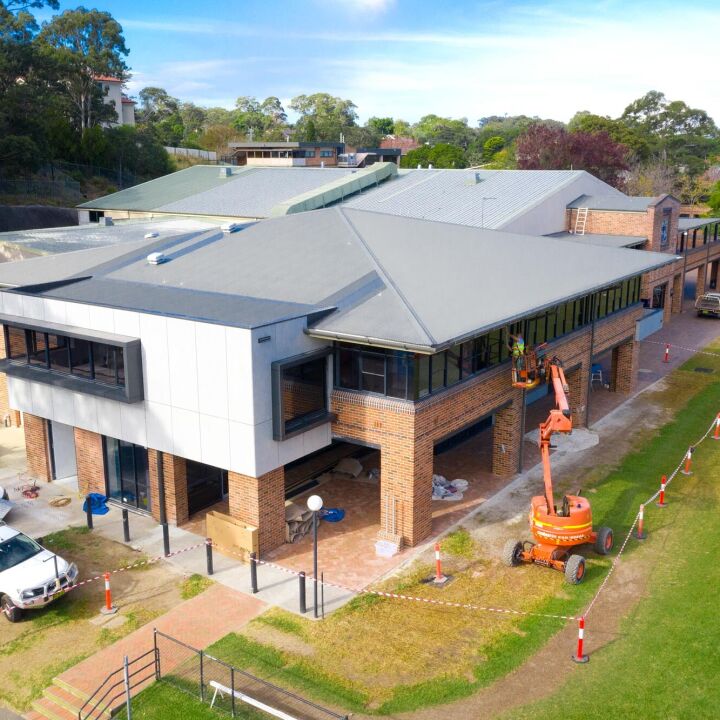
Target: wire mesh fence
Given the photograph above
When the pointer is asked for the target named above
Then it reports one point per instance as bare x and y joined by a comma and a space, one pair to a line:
228, 689
61, 188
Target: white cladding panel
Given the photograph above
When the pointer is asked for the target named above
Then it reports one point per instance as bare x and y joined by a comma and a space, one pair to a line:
208, 394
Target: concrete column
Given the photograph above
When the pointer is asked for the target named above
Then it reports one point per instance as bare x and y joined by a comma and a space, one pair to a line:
37, 448
406, 484
678, 287
260, 502
624, 367
507, 439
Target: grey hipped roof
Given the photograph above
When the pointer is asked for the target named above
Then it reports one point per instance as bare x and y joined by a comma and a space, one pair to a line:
248, 192
619, 202
480, 198
357, 275
693, 223
616, 241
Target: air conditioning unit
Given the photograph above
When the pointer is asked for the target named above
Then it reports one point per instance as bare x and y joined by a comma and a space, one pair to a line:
151, 235
230, 227
156, 258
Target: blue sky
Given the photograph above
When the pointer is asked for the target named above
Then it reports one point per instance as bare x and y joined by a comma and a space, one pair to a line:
408, 58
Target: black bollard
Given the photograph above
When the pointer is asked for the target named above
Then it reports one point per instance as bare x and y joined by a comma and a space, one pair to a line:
166, 539
301, 579
253, 572
126, 525
208, 552
88, 513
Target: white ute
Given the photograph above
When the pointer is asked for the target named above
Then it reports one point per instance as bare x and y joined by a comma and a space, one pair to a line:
708, 304
30, 576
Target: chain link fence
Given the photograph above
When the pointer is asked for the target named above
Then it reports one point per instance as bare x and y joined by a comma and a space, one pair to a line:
228, 689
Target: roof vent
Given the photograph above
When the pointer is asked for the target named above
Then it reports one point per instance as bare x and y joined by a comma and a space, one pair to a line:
225, 171
230, 227
474, 179
152, 234
105, 220
156, 258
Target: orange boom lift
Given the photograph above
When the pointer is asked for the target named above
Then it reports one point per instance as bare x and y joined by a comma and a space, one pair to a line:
557, 532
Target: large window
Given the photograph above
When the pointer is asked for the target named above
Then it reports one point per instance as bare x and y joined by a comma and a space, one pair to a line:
98, 362
404, 375
300, 398
206, 485
126, 473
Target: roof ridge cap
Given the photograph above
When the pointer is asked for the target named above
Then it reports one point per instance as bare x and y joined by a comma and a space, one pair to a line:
387, 279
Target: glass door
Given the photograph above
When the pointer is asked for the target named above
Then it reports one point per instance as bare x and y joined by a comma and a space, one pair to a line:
126, 470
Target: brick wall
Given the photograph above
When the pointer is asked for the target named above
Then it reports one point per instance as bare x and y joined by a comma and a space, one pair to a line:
176, 495
37, 447
405, 432
260, 502
624, 367
90, 465
5, 409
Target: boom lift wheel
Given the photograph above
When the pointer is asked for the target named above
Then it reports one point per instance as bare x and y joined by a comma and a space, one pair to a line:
604, 541
511, 552
575, 569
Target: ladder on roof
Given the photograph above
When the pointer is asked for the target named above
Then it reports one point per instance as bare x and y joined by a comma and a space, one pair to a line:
581, 220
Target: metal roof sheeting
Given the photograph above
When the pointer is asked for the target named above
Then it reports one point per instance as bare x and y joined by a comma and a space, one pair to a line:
619, 202
480, 198
693, 223
248, 192
401, 282
616, 241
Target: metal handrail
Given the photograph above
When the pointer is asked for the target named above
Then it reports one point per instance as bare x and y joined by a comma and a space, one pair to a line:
112, 687
109, 704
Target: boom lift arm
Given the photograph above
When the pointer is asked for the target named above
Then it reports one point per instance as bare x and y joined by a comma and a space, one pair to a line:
558, 421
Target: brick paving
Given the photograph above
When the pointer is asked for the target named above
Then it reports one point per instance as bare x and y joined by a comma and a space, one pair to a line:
199, 622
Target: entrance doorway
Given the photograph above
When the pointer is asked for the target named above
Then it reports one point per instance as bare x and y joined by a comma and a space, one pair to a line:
206, 485
126, 469
62, 450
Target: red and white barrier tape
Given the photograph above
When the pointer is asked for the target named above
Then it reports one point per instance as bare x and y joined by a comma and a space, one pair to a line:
681, 347
670, 478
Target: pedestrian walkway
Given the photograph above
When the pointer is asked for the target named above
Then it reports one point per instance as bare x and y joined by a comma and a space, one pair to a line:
198, 622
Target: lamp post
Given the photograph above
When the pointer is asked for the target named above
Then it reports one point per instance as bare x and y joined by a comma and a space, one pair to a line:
315, 503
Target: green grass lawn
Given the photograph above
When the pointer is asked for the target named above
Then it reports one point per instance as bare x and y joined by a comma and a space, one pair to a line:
379, 656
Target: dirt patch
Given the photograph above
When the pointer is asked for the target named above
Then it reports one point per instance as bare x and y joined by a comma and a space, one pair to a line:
49, 640
271, 636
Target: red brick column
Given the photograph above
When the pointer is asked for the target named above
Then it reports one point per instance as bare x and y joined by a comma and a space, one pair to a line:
406, 482
578, 381
624, 367
176, 496
37, 448
5, 409
90, 465
507, 439
677, 293
260, 502
701, 275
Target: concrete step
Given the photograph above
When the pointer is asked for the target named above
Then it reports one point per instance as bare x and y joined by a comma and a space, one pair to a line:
48, 710
34, 715
64, 699
79, 694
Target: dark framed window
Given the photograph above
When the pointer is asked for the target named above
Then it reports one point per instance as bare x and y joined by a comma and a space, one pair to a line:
37, 348
59, 353
81, 363
300, 397
126, 473
372, 372
327, 153
15, 344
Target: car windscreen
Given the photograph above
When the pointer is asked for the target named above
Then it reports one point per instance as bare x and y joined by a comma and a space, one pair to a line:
16, 550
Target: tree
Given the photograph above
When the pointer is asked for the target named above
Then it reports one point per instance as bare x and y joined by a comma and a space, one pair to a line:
714, 199
619, 130
156, 104
491, 147
322, 116
19, 155
650, 179
552, 148
85, 44
217, 137
381, 126
436, 129
442, 155
402, 128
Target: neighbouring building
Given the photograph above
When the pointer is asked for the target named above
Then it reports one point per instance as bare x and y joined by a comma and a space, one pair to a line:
228, 357
112, 91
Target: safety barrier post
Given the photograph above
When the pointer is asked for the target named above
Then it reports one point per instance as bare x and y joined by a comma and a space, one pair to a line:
661, 501
109, 608
209, 556
439, 578
716, 434
126, 525
667, 353
687, 470
301, 584
579, 657
88, 513
253, 572
640, 533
